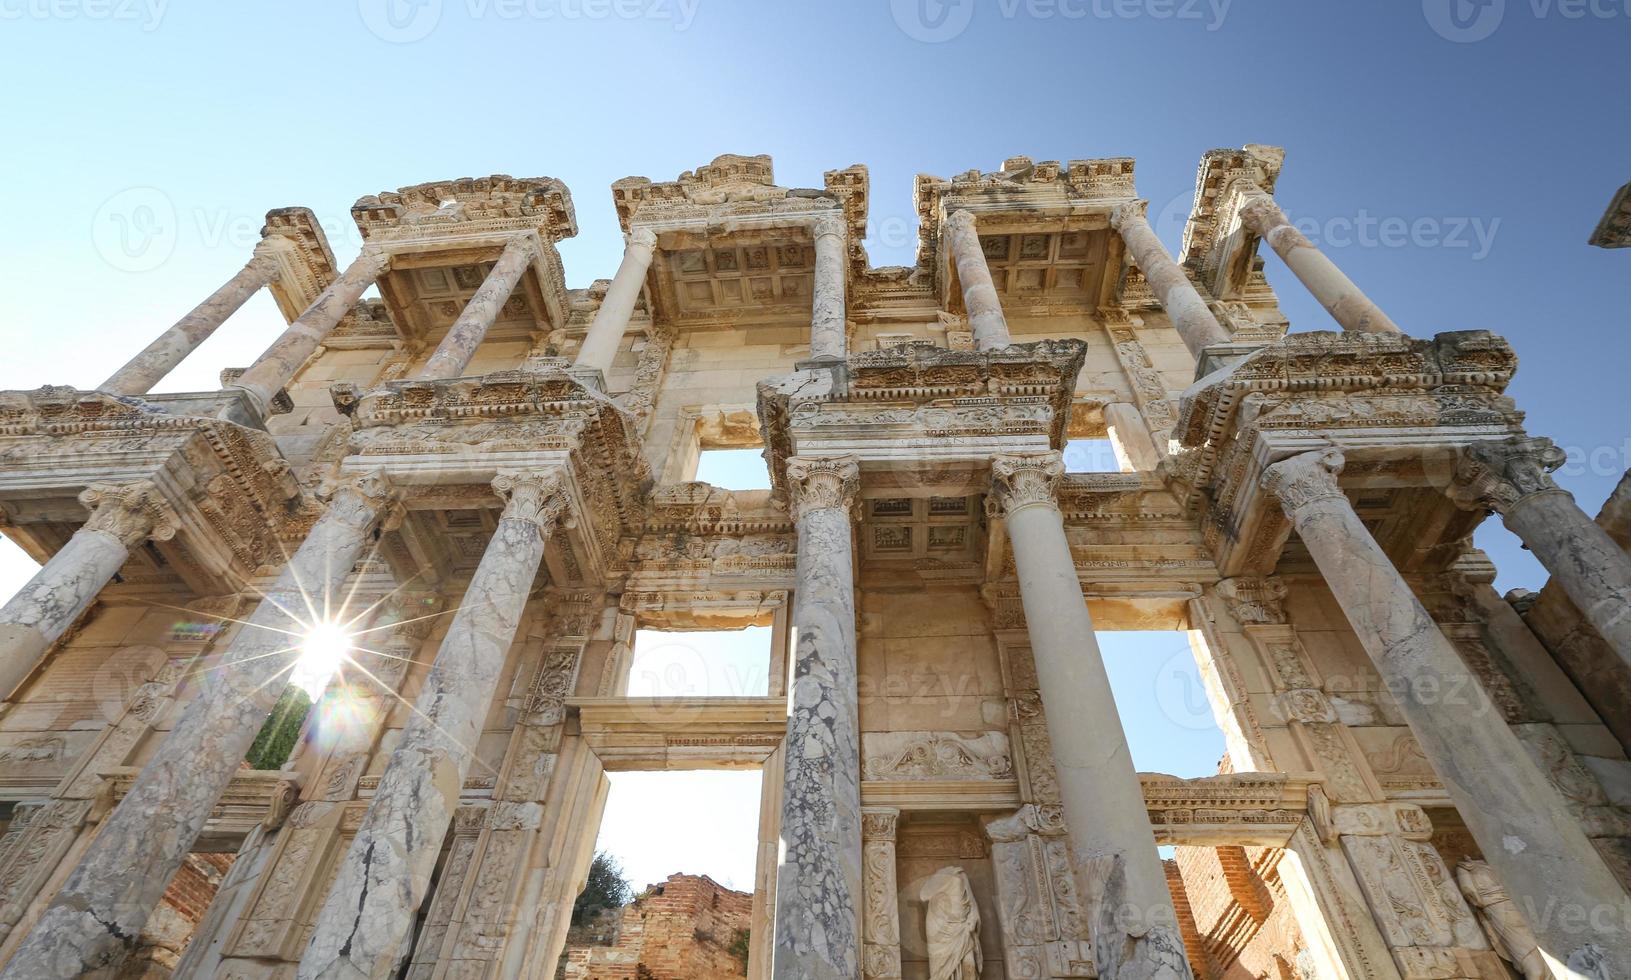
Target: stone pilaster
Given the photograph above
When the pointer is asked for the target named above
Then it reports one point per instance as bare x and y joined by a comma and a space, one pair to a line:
1520, 823
828, 331
122, 516
605, 335
453, 354
172, 346
985, 316
1044, 929
1513, 478
273, 369
880, 913
1185, 307
98, 914
368, 915
1134, 929
1335, 291
819, 880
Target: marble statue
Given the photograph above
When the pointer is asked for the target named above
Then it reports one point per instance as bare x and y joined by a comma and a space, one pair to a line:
951, 925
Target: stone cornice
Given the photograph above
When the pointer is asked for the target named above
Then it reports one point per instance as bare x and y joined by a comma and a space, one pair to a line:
469, 205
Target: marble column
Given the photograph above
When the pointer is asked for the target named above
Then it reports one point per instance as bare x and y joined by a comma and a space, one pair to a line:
1185, 307
605, 335
818, 882
453, 354
122, 516
1134, 446
278, 364
985, 317
368, 916
829, 340
1527, 834
173, 345
97, 916
1133, 926
1513, 478
1352, 309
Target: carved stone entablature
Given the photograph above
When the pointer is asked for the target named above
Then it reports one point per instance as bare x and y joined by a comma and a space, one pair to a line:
1216, 247
220, 496
466, 206
1614, 230
926, 418
700, 609
1250, 808
305, 263
736, 188
1400, 409
444, 441
253, 798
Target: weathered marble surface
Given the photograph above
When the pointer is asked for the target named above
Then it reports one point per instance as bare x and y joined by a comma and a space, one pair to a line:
818, 883
880, 913
1186, 309
1335, 291
273, 369
828, 332
951, 925
1132, 922
1134, 928
43, 609
173, 345
985, 316
97, 916
605, 334
1513, 478
1520, 823
453, 354
368, 915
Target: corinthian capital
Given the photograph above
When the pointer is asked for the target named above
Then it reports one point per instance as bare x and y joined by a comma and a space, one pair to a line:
130, 512
1301, 480
822, 484
368, 494
539, 498
829, 226
960, 221
1025, 481
1495, 476
642, 237
1131, 211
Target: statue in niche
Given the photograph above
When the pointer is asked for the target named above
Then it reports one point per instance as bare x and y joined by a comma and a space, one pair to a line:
1508, 933
951, 925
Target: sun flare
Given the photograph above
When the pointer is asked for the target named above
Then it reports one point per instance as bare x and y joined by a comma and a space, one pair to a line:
325, 647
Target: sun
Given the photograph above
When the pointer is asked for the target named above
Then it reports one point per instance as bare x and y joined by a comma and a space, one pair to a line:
325, 647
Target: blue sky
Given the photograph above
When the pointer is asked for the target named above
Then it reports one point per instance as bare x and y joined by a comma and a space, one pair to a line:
146, 139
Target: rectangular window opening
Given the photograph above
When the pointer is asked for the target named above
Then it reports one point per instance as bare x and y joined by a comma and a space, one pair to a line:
733, 468
701, 664
1092, 456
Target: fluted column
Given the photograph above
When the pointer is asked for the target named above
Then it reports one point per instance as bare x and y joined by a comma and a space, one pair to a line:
605, 334
1133, 927
453, 354
366, 920
1335, 291
122, 516
273, 369
98, 915
1185, 307
1521, 824
1513, 479
818, 882
828, 330
985, 317
173, 345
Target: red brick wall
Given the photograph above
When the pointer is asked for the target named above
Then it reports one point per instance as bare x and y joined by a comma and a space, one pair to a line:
1233, 913
679, 930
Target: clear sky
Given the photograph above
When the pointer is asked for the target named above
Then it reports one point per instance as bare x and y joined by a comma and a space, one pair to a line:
147, 138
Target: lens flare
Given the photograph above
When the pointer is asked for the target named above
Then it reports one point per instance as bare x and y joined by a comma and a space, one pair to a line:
325, 647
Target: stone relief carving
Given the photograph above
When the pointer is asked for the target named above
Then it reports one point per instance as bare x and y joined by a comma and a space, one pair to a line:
935, 755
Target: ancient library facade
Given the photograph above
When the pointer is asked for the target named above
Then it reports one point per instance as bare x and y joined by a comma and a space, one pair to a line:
485, 482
